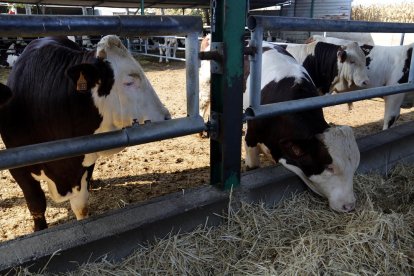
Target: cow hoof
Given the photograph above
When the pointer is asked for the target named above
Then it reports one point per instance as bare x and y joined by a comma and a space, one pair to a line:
203, 135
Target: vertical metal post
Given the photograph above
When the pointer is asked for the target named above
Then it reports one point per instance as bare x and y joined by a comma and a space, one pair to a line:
142, 7
192, 85
256, 67
28, 9
227, 26
402, 39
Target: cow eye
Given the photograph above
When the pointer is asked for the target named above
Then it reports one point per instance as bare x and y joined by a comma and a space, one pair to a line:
130, 83
352, 62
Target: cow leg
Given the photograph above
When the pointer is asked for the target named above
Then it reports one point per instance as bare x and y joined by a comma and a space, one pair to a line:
392, 109
167, 53
79, 202
34, 196
161, 52
252, 157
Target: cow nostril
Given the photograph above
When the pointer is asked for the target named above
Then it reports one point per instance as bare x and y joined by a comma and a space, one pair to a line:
365, 83
348, 207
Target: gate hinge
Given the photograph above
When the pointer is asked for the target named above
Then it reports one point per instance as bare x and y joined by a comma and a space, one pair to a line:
215, 55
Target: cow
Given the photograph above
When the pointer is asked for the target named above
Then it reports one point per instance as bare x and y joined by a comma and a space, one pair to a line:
62, 91
168, 46
324, 157
386, 65
332, 68
11, 50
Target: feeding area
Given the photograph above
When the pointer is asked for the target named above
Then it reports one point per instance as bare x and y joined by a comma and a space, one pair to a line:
299, 236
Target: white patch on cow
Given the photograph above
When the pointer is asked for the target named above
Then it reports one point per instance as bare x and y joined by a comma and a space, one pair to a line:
278, 66
336, 181
132, 97
53, 192
11, 60
79, 201
204, 80
252, 159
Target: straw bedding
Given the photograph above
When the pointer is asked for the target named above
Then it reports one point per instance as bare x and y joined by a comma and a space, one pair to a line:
300, 236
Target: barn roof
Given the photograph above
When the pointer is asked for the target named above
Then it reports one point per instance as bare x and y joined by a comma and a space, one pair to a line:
254, 4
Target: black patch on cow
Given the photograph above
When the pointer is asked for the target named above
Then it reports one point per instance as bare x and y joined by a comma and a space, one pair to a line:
46, 106
367, 50
322, 66
99, 73
292, 136
5, 94
367, 62
406, 68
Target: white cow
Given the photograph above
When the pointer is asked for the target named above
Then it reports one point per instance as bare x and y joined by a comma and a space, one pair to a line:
387, 65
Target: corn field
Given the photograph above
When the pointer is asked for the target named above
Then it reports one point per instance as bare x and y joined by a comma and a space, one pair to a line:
403, 13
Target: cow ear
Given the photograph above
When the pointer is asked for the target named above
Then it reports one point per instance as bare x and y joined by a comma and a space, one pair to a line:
341, 55
84, 76
292, 149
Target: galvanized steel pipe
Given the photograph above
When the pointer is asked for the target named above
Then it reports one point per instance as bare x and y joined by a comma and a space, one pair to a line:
280, 108
256, 66
192, 82
140, 134
48, 25
325, 25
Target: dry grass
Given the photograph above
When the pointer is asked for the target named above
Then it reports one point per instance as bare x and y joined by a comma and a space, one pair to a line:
402, 12
301, 236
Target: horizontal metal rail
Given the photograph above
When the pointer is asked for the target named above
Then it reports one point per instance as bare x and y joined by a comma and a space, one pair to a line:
258, 23
124, 25
274, 109
325, 25
59, 149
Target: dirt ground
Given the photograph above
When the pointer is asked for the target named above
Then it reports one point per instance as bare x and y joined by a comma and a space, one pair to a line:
142, 172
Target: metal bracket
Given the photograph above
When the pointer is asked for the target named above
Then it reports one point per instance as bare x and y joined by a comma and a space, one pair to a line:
213, 125
216, 65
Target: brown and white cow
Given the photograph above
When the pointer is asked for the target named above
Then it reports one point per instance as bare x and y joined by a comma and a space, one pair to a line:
386, 65
61, 91
324, 157
332, 68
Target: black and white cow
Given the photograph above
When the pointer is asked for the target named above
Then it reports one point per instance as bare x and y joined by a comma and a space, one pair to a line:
386, 65
168, 47
11, 50
324, 157
332, 68
61, 91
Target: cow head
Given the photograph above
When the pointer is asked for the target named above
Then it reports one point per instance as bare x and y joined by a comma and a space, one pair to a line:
120, 90
335, 181
351, 68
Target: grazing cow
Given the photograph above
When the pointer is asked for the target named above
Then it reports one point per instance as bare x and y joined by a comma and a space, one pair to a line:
386, 65
169, 44
61, 91
332, 68
324, 157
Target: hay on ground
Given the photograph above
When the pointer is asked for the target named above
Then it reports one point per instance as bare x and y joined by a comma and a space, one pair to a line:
300, 236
